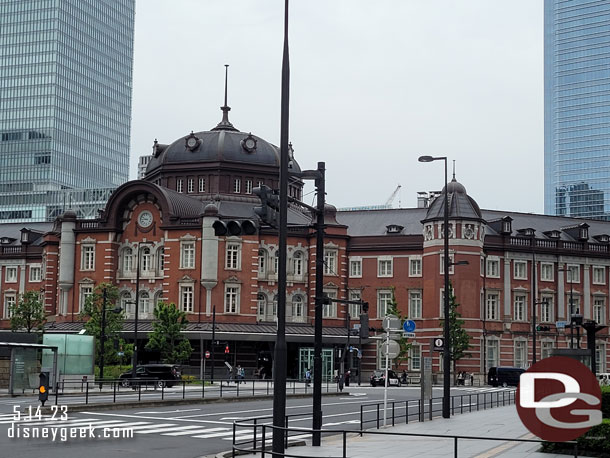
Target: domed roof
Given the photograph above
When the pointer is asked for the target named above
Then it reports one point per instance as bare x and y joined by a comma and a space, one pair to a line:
223, 143
461, 205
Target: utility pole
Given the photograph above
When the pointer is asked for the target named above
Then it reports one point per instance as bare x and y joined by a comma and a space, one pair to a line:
103, 334
213, 340
280, 354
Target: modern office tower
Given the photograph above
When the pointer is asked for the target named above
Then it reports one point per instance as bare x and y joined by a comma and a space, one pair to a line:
65, 102
577, 108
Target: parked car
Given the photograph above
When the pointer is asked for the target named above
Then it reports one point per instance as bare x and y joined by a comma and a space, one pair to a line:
504, 376
604, 379
378, 378
152, 374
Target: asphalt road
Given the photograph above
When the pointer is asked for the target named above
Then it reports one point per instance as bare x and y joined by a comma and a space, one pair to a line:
189, 431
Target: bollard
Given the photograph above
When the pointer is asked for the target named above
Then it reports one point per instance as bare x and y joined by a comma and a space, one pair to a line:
253, 393
254, 438
344, 444
183, 388
114, 392
430, 408
455, 450
361, 420
163, 391
407, 412
393, 413
87, 393
264, 441
139, 391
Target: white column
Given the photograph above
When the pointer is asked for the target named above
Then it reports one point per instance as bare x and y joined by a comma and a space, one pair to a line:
507, 288
561, 297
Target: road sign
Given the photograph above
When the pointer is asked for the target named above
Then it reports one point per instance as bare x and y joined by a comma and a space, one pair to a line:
409, 335
409, 326
391, 348
391, 323
207, 354
438, 344
561, 324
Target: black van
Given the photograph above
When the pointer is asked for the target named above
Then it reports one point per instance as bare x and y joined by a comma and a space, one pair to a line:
152, 374
504, 376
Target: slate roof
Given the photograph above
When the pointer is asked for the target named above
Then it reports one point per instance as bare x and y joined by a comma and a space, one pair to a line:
13, 231
461, 205
374, 222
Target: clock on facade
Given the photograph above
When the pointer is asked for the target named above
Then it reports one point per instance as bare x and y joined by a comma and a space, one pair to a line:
145, 218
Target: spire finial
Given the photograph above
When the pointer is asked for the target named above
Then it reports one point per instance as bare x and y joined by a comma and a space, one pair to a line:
225, 124
454, 170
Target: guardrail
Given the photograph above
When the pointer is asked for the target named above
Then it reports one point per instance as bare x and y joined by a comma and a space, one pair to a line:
418, 409
267, 431
124, 390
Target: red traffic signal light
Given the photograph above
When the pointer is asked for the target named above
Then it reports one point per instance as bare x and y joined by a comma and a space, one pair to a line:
227, 349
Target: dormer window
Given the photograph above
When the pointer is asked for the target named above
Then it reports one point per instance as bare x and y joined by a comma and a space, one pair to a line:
554, 234
6, 240
507, 225
527, 232
394, 229
583, 233
602, 238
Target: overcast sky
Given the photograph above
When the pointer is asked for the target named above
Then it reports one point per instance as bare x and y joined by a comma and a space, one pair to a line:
374, 85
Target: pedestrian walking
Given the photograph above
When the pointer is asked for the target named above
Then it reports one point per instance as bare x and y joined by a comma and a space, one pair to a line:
307, 377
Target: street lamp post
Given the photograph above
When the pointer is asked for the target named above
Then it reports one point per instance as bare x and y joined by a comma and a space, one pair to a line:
446, 335
136, 313
569, 271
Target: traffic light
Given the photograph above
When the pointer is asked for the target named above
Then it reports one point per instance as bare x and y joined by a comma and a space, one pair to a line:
43, 387
226, 349
269, 209
234, 227
543, 328
364, 325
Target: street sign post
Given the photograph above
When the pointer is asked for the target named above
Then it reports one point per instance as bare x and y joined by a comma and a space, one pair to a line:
409, 335
426, 384
391, 323
438, 344
391, 348
561, 324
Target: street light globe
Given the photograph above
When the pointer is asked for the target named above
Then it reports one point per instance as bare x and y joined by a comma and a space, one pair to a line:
425, 159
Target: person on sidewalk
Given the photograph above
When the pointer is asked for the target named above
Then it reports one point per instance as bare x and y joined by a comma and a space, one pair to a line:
307, 377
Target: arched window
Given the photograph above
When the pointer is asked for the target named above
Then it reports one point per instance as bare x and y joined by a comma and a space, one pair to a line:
274, 307
261, 303
297, 264
127, 304
298, 311
146, 259
127, 260
276, 262
262, 262
144, 310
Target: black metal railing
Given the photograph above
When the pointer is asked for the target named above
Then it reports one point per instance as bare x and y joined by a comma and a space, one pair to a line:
405, 411
264, 439
139, 390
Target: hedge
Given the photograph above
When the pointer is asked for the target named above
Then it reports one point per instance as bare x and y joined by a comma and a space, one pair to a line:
595, 443
606, 401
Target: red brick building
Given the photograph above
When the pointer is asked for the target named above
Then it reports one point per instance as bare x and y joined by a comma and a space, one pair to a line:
155, 239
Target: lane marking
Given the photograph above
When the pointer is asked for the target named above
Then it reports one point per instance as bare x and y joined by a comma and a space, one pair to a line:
194, 431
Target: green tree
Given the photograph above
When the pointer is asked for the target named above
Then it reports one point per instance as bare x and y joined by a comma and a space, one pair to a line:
28, 313
458, 337
167, 337
92, 312
405, 345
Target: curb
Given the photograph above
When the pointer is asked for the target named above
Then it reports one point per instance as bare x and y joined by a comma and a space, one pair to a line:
170, 402
229, 453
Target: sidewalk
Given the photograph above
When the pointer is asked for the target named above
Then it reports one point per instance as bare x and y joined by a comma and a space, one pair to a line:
498, 422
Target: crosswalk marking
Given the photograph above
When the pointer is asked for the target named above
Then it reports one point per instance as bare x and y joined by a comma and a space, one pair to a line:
194, 431
156, 429
205, 436
159, 425
48, 421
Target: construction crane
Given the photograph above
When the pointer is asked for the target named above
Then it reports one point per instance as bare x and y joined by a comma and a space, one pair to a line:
388, 203
386, 206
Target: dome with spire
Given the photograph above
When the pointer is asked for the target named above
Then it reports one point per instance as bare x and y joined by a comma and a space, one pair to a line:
461, 205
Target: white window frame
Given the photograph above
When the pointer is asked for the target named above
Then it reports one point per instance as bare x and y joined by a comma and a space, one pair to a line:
415, 358
187, 254
87, 257
355, 267
236, 185
415, 304
546, 348
85, 290
385, 267
201, 184
545, 269
32, 276
231, 299
493, 267
161, 260
600, 272
127, 259
451, 265
492, 357
543, 313
232, 255
144, 310
330, 310
10, 300
519, 270
573, 276
190, 185
384, 298
520, 306
492, 306
187, 298
146, 259
599, 307
248, 186
520, 353
330, 261
415, 266
10, 274
180, 185
263, 255
355, 309
600, 356
298, 305
297, 263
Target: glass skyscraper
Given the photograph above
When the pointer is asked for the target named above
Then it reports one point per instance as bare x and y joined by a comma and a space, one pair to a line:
65, 100
577, 108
